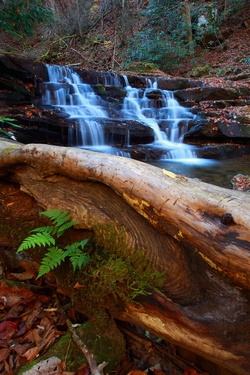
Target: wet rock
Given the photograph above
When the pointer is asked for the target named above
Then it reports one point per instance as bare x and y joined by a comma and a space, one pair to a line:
110, 93
120, 133
178, 83
217, 129
154, 94
209, 93
221, 151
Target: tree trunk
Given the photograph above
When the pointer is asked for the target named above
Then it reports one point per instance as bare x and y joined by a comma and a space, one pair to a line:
189, 24
197, 233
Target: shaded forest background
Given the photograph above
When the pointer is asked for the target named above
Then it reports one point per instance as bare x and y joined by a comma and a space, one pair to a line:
177, 37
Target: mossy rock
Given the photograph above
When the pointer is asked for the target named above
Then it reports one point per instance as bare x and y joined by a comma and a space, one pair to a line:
106, 347
200, 71
65, 349
143, 68
106, 343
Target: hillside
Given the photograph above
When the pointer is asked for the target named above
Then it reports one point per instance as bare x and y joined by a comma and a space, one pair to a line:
104, 45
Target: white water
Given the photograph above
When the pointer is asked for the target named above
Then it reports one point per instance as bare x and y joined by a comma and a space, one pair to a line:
164, 115
79, 101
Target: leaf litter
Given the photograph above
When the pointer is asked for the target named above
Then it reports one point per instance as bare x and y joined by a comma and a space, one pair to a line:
28, 326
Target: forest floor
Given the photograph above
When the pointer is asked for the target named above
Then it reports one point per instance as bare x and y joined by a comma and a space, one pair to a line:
229, 59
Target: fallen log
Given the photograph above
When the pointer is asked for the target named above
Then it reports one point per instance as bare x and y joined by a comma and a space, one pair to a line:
197, 233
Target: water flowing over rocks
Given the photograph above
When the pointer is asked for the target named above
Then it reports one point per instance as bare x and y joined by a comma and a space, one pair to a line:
219, 127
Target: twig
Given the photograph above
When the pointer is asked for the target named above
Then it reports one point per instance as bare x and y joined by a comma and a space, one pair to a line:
94, 368
85, 58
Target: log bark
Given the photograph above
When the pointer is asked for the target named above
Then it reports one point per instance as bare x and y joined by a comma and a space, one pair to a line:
181, 224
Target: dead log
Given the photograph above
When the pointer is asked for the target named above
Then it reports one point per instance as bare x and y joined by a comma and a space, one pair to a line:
198, 233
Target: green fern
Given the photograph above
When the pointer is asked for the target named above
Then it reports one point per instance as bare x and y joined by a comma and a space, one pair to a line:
45, 236
38, 239
60, 219
57, 216
79, 259
53, 258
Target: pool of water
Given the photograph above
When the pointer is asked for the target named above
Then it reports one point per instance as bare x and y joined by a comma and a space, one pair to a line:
216, 172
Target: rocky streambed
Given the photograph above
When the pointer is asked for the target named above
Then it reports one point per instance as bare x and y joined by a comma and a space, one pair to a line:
218, 128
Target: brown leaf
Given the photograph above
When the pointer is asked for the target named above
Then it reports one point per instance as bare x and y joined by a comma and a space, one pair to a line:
22, 276
78, 285
4, 354
31, 353
83, 370
7, 329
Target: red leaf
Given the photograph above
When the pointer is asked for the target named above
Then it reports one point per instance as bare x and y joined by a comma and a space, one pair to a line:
7, 329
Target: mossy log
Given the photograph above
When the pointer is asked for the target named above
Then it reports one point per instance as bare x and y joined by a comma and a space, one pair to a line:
197, 233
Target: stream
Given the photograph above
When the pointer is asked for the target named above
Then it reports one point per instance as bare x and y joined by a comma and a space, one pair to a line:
216, 172
152, 108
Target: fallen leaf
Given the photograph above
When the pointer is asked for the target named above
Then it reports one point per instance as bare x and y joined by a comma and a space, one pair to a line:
78, 286
31, 353
4, 354
7, 329
83, 370
168, 173
10, 204
22, 276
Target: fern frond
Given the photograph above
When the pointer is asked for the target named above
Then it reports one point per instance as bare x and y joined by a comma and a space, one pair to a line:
64, 227
70, 249
48, 229
79, 259
37, 239
60, 219
53, 258
83, 243
57, 216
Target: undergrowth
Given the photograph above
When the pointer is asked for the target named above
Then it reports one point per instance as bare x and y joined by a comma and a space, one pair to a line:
46, 237
109, 270
116, 272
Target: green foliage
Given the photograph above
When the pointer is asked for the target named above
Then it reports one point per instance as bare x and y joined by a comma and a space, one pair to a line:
235, 9
7, 122
115, 273
110, 270
39, 239
159, 49
19, 18
47, 235
164, 40
246, 60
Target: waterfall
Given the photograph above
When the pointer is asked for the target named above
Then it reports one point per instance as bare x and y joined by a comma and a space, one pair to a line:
168, 119
153, 108
67, 92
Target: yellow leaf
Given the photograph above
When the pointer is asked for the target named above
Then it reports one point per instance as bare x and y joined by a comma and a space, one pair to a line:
168, 173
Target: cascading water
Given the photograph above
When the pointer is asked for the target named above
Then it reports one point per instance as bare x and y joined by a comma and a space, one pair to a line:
168, 119
66, 92
152, 107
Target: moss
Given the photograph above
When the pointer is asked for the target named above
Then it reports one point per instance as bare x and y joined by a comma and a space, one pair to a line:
100, 89
7, 150
116, 273
142, 67
200, 71
106, 343
65, 349
109, 347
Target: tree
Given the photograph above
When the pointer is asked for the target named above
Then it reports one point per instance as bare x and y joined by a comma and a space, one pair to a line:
197, 233
189, 24
20, 17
